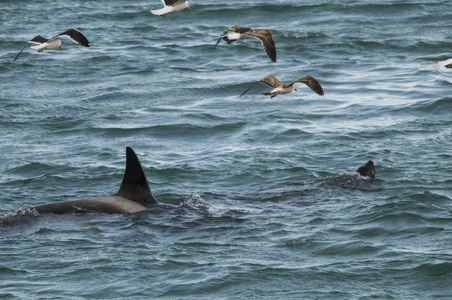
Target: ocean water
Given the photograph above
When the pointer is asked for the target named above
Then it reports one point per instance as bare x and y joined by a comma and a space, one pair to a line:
261, 198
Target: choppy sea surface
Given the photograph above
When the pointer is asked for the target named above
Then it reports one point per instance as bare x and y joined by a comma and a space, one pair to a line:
262, 201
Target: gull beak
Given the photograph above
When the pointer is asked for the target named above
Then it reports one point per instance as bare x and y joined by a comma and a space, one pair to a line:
296, 90
189, 9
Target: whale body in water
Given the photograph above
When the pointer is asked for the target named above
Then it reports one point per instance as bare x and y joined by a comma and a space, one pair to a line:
134, 195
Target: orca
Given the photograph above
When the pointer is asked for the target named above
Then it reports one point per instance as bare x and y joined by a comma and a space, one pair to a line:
134, 195
367, 170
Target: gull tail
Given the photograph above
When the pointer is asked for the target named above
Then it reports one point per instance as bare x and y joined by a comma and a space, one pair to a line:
229, 41
273, 95
230, 38
39, 47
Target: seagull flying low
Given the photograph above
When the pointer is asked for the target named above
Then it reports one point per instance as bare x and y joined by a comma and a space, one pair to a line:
171, 6
240, 33
446, 63
45, 44
285, 88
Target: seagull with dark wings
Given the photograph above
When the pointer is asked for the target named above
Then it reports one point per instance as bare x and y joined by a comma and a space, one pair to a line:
171, 6
286, 88
240, 33
46, 44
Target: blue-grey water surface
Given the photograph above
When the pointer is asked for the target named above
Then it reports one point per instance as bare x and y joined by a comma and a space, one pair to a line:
262, 201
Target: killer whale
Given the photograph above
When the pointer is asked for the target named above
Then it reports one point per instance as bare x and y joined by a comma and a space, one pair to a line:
134, 195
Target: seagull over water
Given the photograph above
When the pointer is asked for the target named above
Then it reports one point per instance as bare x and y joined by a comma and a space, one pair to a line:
286, 88
45, 44
446, 63
171, 6
240, 33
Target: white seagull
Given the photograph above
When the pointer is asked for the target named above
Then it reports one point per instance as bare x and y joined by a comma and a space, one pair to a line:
171, 6
240, 33
446, 63
45, 44
286, 88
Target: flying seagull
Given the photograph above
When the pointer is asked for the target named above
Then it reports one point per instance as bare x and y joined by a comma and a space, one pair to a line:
171, 6
285, 88
240, 33
446, 63
45, 44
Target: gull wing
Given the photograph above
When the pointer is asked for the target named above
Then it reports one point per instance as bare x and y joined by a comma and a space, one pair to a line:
266, 39
269, 80
17, 56
171, 2
311, 82
75, 35
36, 40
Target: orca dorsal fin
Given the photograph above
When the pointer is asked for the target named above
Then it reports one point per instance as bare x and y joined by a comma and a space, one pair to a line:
134, 185
134, 173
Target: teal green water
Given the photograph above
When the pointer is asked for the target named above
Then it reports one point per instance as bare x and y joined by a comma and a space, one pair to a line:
262, 201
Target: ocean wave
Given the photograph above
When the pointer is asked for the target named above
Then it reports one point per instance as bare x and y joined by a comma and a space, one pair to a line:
302, 35
438, 106
438, 269
406, 215
17, 218
185, 130
349, 248
36, 169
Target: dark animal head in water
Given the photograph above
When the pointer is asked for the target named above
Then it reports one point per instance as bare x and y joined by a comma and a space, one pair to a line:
367, 170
